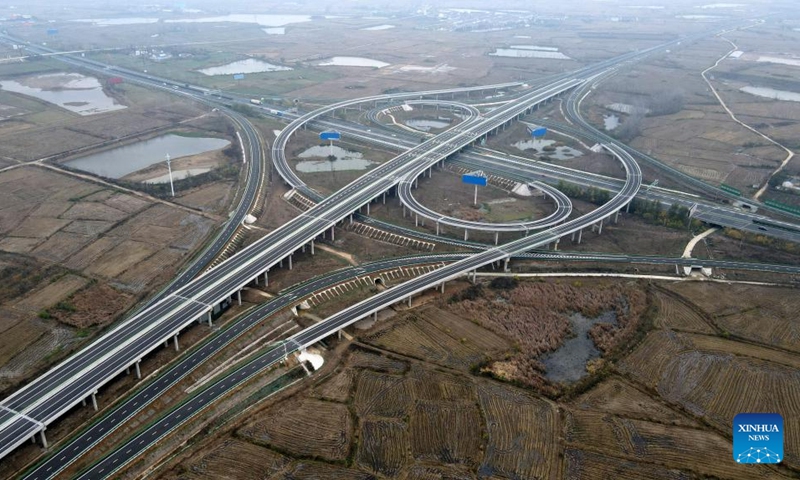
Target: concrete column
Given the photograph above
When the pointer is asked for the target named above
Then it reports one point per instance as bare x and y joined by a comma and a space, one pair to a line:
166, 343
280, 264
290, 261
466, 234
256, 280
351, 219
442, 288
303, 248
437, 227
580, 234
333, 233
555, 244
127, 370
138, 369
600, 230
83, 402
505, 265
409, 301
416, 220
266, 278
375, 316
312, 248
628, 207
210, 323
496, 237
94, 401
239, 296
616, 216
404, 211
416, 183
573, 237
177, 347
367, 208
44, 439
384, 198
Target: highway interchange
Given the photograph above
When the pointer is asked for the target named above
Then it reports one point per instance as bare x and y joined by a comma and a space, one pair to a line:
187, 301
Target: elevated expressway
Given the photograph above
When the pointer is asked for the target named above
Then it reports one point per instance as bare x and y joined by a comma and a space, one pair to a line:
29, 410
162, 427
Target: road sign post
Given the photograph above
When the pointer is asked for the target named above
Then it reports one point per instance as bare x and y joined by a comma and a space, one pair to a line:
331, 136
477, 178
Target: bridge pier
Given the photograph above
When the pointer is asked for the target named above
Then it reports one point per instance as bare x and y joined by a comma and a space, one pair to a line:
239, 296
580, 235
616, 217
210, 323
600, 230
416, 220
44, 439
466, 234
409, 301
367, 208
351, 219
443, 288
416, 182
384, 198
496, 237
404, 211
555, 244
266, 278
312, 249
333, 233
94, 401
290, 261
177, 347
505, 264
138, 369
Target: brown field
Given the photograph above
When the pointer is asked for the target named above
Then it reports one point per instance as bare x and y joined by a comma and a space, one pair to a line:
373, 361
618, 397
448, 433
710, 382
418, 337
236, 460
677, 447
309, 428
382, 395
383, 446
50, 222
522, 434
674, 314
766, 315
338, 387
587, 465
52, 293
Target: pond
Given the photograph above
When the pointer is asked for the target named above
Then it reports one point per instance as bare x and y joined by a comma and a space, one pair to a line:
560, 153
426, 125
353, 62
251, 65
378, 27
72, 91
263, 20
610, 122
107, 22
772, 93
528, 53
179, 175
568, 363
121, 161
345, 160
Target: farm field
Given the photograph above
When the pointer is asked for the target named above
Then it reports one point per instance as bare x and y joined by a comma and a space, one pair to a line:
406, 403
75, 257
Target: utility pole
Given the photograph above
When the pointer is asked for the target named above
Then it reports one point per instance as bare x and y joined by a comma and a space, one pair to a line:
169, 167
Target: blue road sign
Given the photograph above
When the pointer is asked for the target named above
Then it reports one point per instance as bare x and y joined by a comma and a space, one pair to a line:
474, 178
539, 132
330, 136
238, 76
